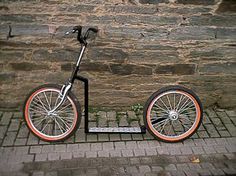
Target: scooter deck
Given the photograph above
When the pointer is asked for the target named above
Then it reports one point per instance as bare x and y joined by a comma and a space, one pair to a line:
141, 129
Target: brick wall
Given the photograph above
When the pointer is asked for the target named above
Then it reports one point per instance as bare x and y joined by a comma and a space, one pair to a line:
142, 46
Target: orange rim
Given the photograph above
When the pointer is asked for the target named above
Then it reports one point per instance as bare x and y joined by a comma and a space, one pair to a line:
31, 126
182, 136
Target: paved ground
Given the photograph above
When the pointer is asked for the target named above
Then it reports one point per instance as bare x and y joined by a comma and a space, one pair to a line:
212, 151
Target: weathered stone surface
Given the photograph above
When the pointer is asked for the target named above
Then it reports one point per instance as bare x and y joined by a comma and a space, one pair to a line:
226, 33
126, 69
54, 55
211, 20
26, 66
111, 54
7, 77
192, 33
141, 46
178, 69
218, 68
152, 1
197, 2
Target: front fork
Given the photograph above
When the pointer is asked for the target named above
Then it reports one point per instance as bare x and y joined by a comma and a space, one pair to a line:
62, 95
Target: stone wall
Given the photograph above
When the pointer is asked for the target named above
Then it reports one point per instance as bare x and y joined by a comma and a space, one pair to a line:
142, 46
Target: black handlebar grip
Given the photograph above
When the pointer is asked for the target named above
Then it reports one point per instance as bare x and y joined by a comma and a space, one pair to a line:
93, 29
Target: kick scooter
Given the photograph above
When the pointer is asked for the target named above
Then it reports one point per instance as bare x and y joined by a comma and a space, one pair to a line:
53, 113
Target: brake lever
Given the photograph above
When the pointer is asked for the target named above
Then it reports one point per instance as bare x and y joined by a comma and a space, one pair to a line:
68, 32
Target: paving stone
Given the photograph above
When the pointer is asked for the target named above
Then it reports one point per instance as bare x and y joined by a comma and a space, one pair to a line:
126, 137
91, 154
134, 161
210, 112
153, 143
48, 149
206, 119
231, 113
137, 137
96, 146
72, 147
144, 169
151, 151
41, 157
142, 144
207, 166
224, 134
65, 155
204, 172
231, 129
203, 134
217, 172
6, 118
131, 144
35, 149
198, 150
182, 166
209, 149
162, 150
199, 142
114, 137
147, 136
78, 154
27, 158
38, 173
194, 166
111, 115
230, 171
186, 150
23, 132
190, 173
14, 125
139, 152
84, 147
115, 153
53, 156
32, 140
134, 123
183, 158
103, 153
210, 141
9, 139
156, 168
92, 137
211, 130
80, 136
131, 115
223, 116
188, 142
230, 156
177, 173
123, 120
170, 167
20, 141
91, 171
107, 146
220, 149
103, 137
174, 151
3, 130
230, 148
131, 169
112, 124
21, 150
127, 153
119, 145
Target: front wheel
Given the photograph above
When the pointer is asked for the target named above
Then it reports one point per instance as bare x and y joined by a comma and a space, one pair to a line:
173, 113
51, 126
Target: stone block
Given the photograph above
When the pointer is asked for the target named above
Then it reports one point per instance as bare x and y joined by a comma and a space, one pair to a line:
176, 69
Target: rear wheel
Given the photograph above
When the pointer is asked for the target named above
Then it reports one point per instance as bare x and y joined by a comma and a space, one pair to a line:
51, 126
173, 113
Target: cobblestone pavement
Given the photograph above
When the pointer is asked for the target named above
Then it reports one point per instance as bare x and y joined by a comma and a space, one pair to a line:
211, 151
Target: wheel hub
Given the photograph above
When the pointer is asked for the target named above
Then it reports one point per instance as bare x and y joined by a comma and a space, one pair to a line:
173, 115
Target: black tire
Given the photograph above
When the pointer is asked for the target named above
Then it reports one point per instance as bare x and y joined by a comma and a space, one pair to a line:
173, 114
71, 99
